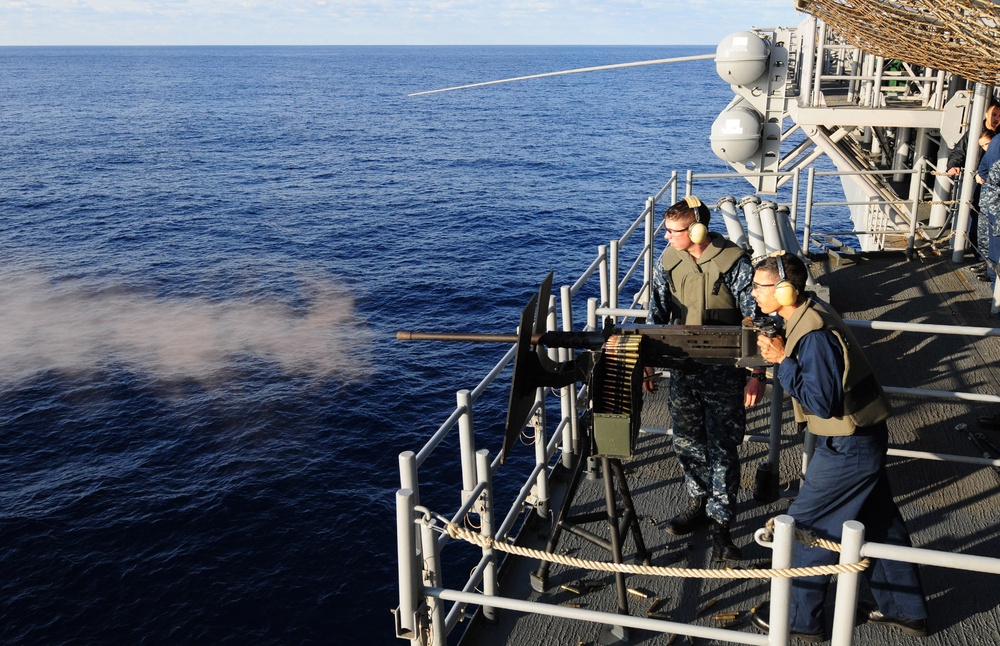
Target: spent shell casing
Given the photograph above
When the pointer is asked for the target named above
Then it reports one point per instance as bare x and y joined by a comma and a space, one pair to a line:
659, 615
571, 605
725, 616
706, 606
593, 585
653, 607
637, 592
569, 588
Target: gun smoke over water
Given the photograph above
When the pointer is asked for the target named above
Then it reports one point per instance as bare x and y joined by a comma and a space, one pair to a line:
73, 328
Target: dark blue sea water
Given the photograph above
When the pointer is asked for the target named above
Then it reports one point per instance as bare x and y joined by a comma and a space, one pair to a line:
204, 256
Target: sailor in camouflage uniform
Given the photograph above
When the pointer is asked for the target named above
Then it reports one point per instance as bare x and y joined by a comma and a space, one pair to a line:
703, 279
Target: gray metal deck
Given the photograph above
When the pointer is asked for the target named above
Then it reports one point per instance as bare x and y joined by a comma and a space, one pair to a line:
947, 506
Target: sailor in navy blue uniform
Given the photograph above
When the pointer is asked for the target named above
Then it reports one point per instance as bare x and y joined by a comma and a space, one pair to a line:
834, 390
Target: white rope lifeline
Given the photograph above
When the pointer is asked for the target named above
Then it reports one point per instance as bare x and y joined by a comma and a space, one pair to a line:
456, 531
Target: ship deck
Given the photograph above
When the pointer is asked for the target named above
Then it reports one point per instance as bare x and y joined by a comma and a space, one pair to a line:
948, 506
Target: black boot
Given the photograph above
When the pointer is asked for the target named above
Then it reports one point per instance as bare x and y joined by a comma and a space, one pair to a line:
723, 548
688, 520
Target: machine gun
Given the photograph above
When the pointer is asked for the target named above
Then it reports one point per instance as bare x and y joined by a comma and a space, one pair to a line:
611, 363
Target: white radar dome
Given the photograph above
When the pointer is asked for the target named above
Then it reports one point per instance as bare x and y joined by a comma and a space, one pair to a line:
741, 58
736, 133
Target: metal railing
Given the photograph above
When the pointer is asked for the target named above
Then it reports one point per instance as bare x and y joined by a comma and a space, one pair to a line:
826, 58
422, 616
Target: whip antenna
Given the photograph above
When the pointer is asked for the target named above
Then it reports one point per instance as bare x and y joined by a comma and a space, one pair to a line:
660, 61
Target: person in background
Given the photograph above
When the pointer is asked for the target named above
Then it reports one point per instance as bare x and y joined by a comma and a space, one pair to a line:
704, 279
985, 137
834, 390
988, 176
956, 161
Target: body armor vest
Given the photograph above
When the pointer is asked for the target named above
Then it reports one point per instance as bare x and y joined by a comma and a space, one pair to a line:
865, 403
697, 287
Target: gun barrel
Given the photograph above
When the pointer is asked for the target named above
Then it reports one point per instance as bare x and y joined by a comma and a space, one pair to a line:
553, 339
472, 337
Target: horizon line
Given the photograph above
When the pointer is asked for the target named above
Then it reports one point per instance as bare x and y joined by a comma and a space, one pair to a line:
10, 46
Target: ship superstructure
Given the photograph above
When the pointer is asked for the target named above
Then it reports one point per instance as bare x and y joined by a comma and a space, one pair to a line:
883, 122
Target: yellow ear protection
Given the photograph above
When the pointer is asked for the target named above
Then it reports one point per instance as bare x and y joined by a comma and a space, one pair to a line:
784, 292
698, 232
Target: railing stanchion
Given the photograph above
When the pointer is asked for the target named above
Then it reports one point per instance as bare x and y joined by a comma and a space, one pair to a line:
770, 488
794, 206
541, 458
602, 254
808, 448
915, 188
569, 392
467, 443
851, 541
408, 474
807, 224
781, 587
649, 250
613, 274
490, 587
432, 578
409, 567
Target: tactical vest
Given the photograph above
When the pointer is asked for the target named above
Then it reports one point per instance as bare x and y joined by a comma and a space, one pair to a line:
697, 287
865, 403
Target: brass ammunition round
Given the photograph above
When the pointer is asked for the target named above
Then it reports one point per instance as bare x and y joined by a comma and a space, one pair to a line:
706, 606
725, 616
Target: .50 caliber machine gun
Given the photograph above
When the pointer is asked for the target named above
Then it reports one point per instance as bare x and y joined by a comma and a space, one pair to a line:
611, 364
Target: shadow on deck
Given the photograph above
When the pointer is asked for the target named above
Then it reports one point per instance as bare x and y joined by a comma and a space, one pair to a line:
947, 506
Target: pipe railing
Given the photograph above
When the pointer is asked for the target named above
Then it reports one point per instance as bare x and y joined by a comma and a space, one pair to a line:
564, 437
423, 581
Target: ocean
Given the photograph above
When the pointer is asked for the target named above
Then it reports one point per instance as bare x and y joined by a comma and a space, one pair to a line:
205, 255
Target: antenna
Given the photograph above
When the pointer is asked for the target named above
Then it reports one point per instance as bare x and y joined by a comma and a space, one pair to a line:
580, 70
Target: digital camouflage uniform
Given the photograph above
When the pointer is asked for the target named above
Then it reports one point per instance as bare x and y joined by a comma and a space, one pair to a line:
706, 404
989, 204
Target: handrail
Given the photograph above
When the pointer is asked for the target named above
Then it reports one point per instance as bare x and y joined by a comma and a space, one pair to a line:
611, 619
439, 435
853, 548
492, 374
543, 465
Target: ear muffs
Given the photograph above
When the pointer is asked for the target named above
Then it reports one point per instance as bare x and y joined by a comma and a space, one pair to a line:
785, 292
697, 231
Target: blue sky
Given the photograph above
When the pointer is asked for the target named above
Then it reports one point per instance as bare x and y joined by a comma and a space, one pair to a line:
384, 22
